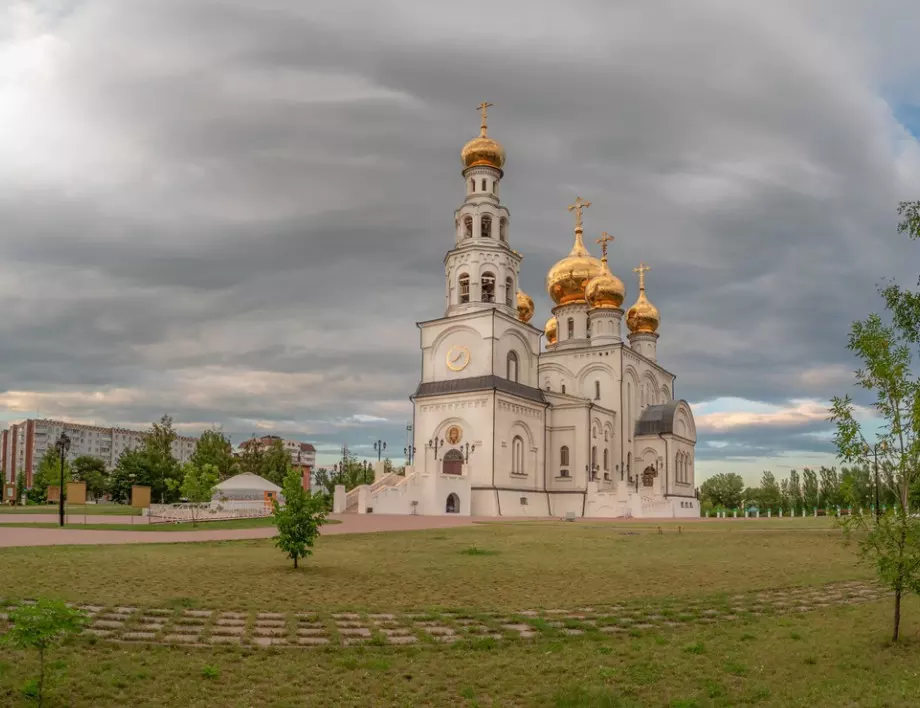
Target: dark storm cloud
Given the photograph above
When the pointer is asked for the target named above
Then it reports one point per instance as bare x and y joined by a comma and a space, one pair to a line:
237, 211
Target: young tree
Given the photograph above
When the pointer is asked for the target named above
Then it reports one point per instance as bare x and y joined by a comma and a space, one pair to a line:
215, 449
41, 626
784, 497
20, 488
723, 490
91, 470
197, 486
809, 489
158, 456
892, 539
132, 468
856, 487
252, 460
299, 519
830, 487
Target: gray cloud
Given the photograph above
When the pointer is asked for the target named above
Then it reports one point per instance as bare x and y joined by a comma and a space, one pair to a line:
201, 193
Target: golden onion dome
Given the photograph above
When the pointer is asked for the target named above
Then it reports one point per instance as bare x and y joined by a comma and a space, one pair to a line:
483, 150
566, 280
606, 291
643, 317
524, 306
551, 330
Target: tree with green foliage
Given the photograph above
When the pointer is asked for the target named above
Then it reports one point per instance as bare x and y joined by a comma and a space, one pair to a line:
20, 489
891, 540
795, 491
298, 519
252, 461
197, 486
810, 489
723, 490
276, 463
784, 497
48, 474
770, 493
158, 456
91, 470
214, 448
131, 468
42, 626
830, 487
856, 487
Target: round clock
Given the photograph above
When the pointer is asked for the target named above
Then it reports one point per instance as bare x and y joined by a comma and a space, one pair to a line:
457, 357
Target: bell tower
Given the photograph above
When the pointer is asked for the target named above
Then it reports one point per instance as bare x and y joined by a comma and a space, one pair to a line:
481, 271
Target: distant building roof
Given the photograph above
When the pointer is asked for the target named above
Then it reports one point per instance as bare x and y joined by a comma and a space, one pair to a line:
247, 481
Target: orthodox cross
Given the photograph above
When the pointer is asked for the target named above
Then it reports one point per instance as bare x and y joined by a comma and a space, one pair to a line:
603, 241
641, 270
484, 106
577, 208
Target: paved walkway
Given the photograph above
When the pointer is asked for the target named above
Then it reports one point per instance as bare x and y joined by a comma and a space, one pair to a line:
351, 523
206, 627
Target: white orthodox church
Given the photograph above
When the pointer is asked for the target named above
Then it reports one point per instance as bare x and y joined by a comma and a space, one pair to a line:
587, 424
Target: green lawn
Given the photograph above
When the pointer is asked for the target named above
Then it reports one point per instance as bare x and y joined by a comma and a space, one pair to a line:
90, 509
550, 564
830, 656
252, 523
827, 658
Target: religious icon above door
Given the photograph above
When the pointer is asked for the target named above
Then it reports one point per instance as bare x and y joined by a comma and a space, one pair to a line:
454, 434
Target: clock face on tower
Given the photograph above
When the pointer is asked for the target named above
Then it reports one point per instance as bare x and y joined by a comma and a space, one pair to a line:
458, 357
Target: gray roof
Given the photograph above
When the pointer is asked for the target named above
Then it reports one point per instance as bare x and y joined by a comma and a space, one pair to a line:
479, 383
658, 419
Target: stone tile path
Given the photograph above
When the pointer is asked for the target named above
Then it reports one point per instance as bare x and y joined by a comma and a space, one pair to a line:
207, 627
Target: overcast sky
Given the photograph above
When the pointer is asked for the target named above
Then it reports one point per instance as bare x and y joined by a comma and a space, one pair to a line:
235, 211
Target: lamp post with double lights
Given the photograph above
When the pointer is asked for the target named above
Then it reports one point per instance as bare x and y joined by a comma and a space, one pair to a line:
435, 444
867, 448
380, 446
63, 447
409, 453
467, 450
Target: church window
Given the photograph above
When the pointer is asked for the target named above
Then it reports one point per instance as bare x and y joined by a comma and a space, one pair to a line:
571, 328
512, 366
606, 435
452, 462
503, 229
494, 185
509, 292
472, 184
464, 288
606, 460
483, 185
564, 456
597, 390
517, 455
594, 462
563, 388
486, 227
468, 227
488, 287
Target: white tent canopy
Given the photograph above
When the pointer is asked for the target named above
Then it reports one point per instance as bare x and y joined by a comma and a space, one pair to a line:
245, 486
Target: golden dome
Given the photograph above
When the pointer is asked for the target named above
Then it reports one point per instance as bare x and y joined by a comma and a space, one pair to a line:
524, 306
483, 150
551, 330
642, 317
606, 291
566, 280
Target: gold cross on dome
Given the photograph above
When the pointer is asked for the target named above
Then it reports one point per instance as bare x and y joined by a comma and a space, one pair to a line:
642, 270
603, 241
484, 106
577, 208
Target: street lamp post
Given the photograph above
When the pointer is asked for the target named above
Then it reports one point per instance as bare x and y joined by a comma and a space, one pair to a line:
880, 445
435, 444
365, 465
466, 453
409, 453
63, 447
380, 446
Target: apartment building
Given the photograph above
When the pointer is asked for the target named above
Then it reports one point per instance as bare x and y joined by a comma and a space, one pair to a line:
23, 444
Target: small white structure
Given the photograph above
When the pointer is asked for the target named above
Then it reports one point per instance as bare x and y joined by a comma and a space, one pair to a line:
246, 487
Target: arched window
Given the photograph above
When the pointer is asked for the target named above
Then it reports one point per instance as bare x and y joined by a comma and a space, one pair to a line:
503, 229
468, 227
629, 463
483, 185
606, 460
597, 390
509, 292
606, 435
464, 287
472, 184
563, 388
494, 186
486, 226
564, 456
512, 366
571, 328
517, 455
488, 287
629, 422
594, 462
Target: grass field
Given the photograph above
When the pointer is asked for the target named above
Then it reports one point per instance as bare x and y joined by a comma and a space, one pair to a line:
830, 656
89, 509
252, 523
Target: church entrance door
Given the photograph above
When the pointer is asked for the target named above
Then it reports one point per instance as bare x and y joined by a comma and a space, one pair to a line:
453, 504
453, 462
